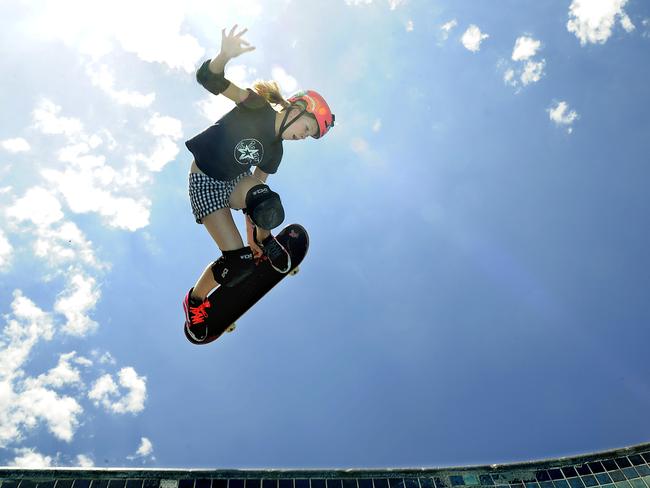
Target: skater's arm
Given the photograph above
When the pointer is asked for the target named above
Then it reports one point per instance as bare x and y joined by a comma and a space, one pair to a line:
211, 74
260, 175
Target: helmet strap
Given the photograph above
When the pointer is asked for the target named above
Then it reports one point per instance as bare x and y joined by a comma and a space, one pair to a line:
284, 125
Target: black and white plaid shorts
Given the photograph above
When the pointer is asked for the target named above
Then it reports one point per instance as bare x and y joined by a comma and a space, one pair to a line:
208, 195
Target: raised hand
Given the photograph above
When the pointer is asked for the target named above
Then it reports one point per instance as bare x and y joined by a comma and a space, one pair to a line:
232, 44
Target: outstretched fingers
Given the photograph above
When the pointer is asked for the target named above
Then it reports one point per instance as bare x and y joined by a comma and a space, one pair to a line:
233, 30
232, 43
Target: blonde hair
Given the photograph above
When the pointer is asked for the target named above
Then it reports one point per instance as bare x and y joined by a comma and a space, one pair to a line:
271, 91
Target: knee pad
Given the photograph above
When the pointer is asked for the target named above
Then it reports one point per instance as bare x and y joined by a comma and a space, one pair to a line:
233, 267
264, 207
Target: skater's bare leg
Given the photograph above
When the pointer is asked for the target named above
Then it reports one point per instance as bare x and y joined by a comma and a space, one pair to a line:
223, 230
238, 200
204, 285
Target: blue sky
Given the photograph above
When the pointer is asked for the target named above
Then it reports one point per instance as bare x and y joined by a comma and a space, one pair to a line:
476, 289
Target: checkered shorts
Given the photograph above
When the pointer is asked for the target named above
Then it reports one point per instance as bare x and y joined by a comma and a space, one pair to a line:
208, 195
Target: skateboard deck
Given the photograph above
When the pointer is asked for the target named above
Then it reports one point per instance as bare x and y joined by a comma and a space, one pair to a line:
227, 304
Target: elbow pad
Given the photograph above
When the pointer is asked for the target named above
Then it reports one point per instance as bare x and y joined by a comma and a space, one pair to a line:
214, 83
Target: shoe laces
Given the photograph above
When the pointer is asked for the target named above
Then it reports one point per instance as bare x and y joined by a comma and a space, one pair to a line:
199, 313
274, 250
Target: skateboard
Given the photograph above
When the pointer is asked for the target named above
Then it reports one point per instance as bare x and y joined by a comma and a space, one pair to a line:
227, 304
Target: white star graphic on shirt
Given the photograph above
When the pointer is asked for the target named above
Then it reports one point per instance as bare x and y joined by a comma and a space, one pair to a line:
248, 152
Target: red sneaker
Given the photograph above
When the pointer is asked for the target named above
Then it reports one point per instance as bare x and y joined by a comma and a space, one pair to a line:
196, 313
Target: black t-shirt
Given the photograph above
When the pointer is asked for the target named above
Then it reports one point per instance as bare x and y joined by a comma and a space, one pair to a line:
242, 138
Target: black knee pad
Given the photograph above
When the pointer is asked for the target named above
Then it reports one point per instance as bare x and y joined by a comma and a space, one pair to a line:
264, 207
233, 267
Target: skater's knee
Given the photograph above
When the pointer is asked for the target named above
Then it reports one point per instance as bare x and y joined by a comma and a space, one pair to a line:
264, 207
233, 266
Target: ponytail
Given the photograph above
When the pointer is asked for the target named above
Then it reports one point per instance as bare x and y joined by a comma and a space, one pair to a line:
270, 90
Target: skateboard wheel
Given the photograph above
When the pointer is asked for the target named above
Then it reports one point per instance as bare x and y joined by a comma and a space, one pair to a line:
231, 327
294, 271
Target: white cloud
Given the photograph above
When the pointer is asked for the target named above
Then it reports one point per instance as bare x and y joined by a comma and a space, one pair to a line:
528, 69
103, 388
26, 402
80, 297
55, 240
64, 243
102, 78
103, 358
592, 21
48, 121
16, 145
241, 74
213, 108
36, 400
84, 461
60, 413
627, 24
6, 252
161, 125
97, 28
145, 450
64, 373
392, 4
105, 391
562, 116
146, 447
38, 206
446, 28
89, 183
82, 361
165, 151
87, 190
376, 126
533, 72
472, 38
167, 130
525, 48
288, 83
409, 26
25, 327
29, 458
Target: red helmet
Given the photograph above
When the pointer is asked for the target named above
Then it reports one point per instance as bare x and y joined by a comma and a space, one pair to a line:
318, 108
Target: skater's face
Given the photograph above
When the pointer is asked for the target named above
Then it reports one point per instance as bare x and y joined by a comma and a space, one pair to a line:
302, 128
